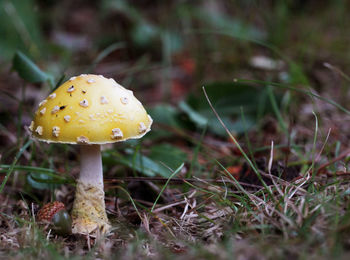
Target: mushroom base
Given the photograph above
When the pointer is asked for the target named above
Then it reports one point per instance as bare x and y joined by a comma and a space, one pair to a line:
89, 214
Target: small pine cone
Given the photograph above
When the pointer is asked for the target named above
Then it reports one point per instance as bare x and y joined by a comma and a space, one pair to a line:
47, 212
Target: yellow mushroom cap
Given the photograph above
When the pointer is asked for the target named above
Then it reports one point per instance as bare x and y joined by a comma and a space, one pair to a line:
90, 109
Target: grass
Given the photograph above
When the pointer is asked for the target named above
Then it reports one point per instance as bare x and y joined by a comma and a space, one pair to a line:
277, 190
302, 223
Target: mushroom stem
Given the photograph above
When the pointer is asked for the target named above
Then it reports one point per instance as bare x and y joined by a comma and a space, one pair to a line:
88, 213
91, 165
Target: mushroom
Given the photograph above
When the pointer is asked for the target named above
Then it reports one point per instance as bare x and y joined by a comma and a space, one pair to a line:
90, 110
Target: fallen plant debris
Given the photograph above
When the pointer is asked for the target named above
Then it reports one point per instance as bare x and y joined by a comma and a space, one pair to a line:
55, 216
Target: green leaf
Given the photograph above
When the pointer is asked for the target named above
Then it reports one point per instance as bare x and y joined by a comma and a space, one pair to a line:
236, 126
27, 69
20, 28
138, 162
228, 98
144, 33
197, 118
219, 21
172, 40
165, 114
42, 181
167, 154
124, 7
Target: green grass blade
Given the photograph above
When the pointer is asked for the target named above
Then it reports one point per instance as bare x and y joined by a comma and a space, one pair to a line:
104, 53
276, 110
131, 199
251, 164
166, 184
18, 155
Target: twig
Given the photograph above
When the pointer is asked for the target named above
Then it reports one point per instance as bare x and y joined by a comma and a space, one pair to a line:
340, 157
